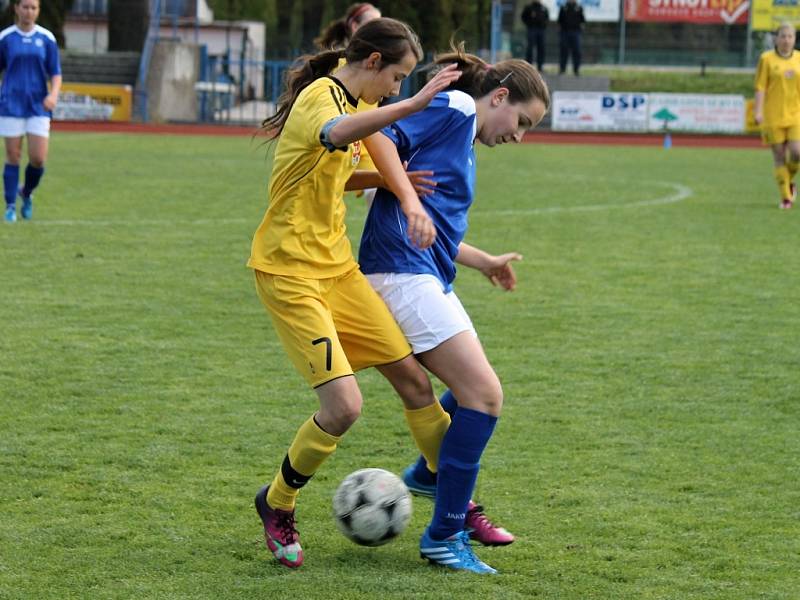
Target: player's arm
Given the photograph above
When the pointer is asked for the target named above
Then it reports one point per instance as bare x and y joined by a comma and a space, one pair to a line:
51, 99
362, 124
760, 85
497, 269
421, 230
362, 180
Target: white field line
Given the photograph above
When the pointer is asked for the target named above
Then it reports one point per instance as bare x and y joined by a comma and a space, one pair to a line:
679, 193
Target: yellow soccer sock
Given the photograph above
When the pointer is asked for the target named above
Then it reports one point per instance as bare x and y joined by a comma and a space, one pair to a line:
782, 177
310, 448
793, 167
428, 426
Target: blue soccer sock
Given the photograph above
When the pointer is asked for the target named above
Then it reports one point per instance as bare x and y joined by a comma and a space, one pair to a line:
421, 472
459, 463
32, 177
10, 183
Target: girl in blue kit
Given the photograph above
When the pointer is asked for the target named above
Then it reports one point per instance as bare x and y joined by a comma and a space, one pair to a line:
29, 63
494, 104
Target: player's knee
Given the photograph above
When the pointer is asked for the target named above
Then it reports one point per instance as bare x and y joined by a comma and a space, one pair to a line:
417, 390
485, 396
337, 417
493, 398
13, 156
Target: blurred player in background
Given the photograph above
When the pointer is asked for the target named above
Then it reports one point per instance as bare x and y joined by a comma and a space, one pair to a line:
29, 62
777, 109
328, 318
494, 104
336, 35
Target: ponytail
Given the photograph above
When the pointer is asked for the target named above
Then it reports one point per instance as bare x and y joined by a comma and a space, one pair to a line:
306, 70
478, 78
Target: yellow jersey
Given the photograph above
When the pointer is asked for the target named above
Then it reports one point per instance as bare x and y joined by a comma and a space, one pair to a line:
303, 232
779, 79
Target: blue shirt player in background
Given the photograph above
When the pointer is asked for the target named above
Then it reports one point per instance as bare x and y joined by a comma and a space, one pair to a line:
494, 104
29, 63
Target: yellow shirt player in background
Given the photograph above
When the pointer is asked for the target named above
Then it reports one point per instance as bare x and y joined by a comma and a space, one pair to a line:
327, 316
777, 109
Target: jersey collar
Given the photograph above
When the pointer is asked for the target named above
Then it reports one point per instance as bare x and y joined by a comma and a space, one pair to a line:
350, 99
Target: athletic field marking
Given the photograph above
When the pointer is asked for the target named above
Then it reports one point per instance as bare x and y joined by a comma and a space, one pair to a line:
140, 223
680, 192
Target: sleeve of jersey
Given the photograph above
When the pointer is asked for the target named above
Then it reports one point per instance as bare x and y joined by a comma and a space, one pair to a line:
761, 75
53, 60
322, 106
421, 128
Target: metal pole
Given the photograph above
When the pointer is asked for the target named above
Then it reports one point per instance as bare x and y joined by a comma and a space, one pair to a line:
496, 27
621, 55
748, 47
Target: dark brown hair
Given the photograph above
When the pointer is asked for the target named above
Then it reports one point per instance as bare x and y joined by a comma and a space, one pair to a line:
337, 33
479, 78
392, 39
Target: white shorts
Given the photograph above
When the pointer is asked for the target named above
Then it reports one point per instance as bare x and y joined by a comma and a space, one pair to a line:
17, 127
427, 315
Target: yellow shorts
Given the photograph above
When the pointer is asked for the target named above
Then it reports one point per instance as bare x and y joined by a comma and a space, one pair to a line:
331, 327
779, 135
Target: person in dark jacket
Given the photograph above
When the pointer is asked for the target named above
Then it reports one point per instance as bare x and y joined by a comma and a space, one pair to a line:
535, 16
570, 20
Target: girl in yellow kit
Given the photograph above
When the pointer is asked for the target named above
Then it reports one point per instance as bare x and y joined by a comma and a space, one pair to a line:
324, 310
777, 109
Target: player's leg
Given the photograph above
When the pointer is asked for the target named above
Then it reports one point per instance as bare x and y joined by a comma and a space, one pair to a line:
371, 338
421, 481
419, 478
793, 159
776, 138
563, 49
307, 331
38, 145
10, 129
462, 365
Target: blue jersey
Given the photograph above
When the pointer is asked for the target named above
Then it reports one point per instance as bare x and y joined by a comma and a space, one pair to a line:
440, 139
28, 61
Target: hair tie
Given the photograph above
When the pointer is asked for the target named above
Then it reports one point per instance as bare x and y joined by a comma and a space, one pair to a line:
357, 13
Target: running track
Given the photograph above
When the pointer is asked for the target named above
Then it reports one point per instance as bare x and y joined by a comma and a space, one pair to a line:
542, 137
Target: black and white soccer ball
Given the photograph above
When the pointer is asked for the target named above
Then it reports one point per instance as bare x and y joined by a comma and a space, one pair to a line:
372, 506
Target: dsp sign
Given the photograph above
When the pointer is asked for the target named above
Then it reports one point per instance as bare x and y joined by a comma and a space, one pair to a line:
710, 12
599, 111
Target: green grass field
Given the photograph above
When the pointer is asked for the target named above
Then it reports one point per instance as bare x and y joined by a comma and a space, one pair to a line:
648, 446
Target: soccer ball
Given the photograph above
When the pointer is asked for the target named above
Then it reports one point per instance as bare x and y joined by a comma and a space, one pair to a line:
372, 506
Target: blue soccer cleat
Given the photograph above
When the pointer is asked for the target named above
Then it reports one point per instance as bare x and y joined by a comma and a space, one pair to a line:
11, 214
453, 553
27, 208
417, 487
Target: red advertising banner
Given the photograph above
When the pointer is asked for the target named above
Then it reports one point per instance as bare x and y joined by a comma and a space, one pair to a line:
688, 11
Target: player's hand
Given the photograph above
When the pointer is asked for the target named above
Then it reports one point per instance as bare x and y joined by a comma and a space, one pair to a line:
500, 272
759, 118
438, 82
421, 230
420, 180
50, 101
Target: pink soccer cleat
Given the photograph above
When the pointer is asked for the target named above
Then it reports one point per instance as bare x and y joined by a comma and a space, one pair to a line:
482, 530
280, 532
